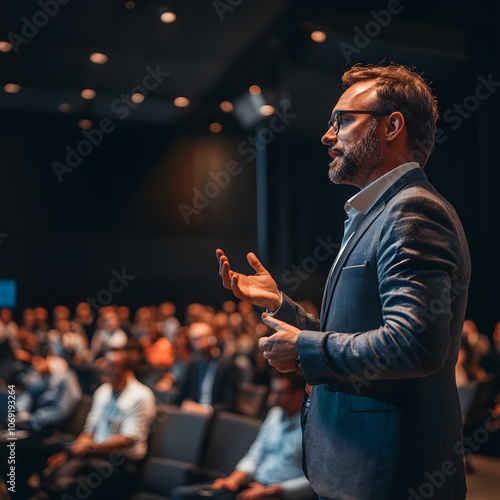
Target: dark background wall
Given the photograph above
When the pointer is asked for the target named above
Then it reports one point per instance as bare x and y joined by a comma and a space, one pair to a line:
120, 207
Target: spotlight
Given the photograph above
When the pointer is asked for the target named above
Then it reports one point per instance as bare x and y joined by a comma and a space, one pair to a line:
167, 16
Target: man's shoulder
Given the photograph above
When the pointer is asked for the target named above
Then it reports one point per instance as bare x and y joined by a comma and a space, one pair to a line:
138, 390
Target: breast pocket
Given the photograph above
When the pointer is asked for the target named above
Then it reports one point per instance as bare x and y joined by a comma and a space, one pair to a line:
355, 270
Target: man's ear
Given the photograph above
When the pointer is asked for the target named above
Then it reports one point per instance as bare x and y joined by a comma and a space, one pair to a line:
395, 126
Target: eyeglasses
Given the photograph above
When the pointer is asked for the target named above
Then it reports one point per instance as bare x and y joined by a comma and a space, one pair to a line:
336, 119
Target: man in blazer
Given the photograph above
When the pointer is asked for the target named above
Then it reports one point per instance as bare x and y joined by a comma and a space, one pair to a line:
383, 417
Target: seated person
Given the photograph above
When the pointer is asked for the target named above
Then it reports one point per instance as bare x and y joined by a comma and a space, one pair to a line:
50, 397
211, 379
272, 468
114, 438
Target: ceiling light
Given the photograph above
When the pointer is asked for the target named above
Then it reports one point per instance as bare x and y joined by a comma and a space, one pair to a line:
266, 110
130, 4
181, 102
98, 58
254, 90
137, 98
167, 17
215, 128
85, 124
5, 46
88, 93
64, 107
318, 36
226, 106
12, 88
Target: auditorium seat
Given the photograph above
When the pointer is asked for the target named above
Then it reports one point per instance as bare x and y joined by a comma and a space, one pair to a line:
174, 454
251, 399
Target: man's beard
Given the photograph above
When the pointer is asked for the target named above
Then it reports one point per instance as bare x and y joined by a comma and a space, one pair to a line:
358, 160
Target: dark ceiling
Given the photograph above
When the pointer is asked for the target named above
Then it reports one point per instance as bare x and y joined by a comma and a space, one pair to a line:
215, 50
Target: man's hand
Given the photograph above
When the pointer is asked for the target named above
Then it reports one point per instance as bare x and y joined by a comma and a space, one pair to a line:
235, 480
83, 445
260, 289
54, 461
257, 491
280, 349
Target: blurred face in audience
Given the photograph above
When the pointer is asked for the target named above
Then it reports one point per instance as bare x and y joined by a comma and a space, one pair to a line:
201, 337
40, 365
42, 316
282, 395
111, 321
116, 369
29, 319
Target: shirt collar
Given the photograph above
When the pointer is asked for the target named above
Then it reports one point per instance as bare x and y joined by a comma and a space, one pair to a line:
363, 201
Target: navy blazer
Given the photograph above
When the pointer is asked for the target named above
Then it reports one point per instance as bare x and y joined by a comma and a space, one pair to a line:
383, 420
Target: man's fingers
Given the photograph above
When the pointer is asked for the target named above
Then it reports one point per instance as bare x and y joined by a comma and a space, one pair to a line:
264, 344
272, 322
256, 264
224, 268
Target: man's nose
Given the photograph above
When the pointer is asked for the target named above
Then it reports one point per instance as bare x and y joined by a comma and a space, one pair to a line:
329, 137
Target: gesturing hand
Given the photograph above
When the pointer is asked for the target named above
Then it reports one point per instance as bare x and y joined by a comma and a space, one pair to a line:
280, 349
260, 289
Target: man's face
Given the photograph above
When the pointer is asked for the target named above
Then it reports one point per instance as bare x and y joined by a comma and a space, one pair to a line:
114, 370
282, 395
201, 337
111, 322
355, 148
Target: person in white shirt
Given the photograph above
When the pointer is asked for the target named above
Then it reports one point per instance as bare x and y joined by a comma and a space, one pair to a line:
114, 439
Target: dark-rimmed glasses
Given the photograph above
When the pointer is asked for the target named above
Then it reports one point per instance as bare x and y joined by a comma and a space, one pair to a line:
335, 120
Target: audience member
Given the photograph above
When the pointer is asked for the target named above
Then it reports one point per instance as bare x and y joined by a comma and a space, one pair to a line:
211, 380
50, 396
479, 342
170, 324
114, 438
85, 319
272, 468
467, 368
110, 336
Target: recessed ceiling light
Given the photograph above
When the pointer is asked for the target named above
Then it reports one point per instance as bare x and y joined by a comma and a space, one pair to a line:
167, 17
181, 102
98, 58
137, 98
88, 93
318, 36
85, 124
226, 106
12, 88
64, 107
254, 90
215, 127
5, 46
266, 110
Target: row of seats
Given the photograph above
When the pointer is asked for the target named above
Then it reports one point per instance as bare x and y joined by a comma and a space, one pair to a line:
189, 448
184, 448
